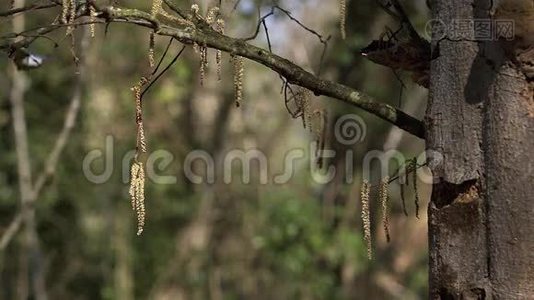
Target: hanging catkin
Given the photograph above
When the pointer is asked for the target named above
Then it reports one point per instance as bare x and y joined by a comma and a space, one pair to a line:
134, 174
384, 184
92, 15
218, 54
137, 171
156, 7
65, 11
238, 64
211, 16
141, 140
72, 16
303, 102
203, 63
137, 194
342, 18
366, 217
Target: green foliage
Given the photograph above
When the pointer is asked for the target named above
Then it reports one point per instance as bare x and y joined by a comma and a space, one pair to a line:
295, 245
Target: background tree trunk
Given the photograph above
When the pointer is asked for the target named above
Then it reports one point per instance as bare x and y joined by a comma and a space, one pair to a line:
30, 281
481, 119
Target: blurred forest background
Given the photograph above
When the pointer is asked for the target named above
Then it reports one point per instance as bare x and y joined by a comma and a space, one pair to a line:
300, 240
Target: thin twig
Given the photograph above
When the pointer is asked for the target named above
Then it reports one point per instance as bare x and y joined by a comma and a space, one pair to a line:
322, 39
267, 36
260, 21
163, 72
163, 56
236, 5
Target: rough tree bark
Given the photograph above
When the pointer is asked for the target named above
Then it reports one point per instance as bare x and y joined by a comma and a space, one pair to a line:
481, 119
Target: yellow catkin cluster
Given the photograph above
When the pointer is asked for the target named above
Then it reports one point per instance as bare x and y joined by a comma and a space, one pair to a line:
152, 42
134, 174
303, 102
68, 13
72, 16
342, 17
137, 180
366, 217
194, 11
92, 15
156, 7
65, 11
218, 55
384, 184
137, 194
203, 50
211, 16
239, 69
141, 139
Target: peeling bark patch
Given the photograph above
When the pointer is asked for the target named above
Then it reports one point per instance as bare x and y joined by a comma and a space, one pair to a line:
459, 204
462, 217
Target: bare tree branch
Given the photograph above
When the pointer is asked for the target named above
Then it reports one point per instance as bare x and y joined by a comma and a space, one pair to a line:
198, 31
10, 232
202, 34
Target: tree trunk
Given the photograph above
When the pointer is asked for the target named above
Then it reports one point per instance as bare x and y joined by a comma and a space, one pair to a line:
481, 119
